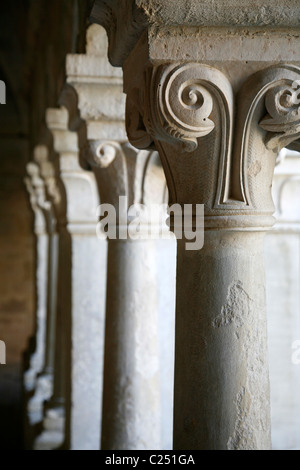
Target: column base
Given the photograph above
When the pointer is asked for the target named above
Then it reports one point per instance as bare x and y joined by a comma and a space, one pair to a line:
52, 438
43, 391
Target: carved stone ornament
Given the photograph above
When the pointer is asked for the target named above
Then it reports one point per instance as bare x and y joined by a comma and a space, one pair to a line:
122, 170
179, 105
190, 111
47, 170
283, 119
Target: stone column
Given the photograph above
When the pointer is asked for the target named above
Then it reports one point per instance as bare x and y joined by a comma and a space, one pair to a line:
47, 171
44, 381
218, 104
36, 190
132, 407
84, 293
49, 398
138, 375
282, 257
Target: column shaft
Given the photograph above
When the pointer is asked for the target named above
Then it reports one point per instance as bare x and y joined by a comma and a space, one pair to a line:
88, 323
221, 372
131, 403
37, 359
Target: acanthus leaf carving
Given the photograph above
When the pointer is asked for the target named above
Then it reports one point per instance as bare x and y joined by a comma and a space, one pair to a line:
122, 170
177, 110
269, 89
100, 153
184, 105
283, 119
179, 104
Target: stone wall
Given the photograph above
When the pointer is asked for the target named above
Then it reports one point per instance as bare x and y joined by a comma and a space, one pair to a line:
35, 37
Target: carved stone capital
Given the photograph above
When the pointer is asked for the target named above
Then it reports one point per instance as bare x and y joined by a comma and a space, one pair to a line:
98, 87
79, 185
217, 102
123, 171
120, 169
47, 170
40, 221
218, 141
283, 118
175, 106
37, 188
